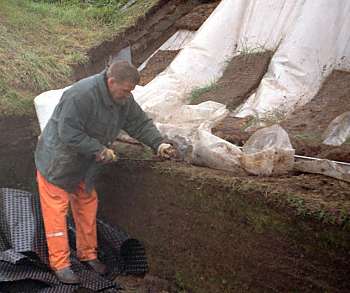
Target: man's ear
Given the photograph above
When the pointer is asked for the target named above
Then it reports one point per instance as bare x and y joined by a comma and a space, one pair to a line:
110, 82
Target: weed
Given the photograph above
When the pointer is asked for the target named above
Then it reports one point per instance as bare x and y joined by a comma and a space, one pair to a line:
247, 49
199, 91
311, 137
347, 141
180, 283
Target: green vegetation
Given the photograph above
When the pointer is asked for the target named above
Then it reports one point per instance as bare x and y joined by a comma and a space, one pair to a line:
197, 92
249, 49
309, 137
40, 40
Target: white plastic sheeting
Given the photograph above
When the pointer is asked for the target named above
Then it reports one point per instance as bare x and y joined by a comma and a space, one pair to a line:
268, 151
324, 167
338, 131
198, 64
317, 43
214, 152
45, 104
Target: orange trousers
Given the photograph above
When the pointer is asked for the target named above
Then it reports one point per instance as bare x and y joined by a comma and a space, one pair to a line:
54, 205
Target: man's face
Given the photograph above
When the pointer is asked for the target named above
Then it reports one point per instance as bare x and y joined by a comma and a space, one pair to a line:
119, 90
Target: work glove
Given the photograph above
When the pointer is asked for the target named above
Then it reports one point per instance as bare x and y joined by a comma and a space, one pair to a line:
106, 156
166, 151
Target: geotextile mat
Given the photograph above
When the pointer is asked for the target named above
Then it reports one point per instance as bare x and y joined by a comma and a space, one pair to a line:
24, 255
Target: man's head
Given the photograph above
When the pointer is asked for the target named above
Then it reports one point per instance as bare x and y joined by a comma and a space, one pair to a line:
122, 77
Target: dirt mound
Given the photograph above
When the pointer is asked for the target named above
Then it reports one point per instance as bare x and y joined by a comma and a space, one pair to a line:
241, 77
193, 20
159, 62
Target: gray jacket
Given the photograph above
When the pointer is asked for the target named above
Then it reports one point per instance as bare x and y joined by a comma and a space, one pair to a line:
83, 123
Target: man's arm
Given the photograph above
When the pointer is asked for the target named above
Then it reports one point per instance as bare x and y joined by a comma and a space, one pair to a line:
71, 127
142, 128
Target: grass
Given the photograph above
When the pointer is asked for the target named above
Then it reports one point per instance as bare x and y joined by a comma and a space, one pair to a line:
308, 137
198, 92
39, 41
249, 49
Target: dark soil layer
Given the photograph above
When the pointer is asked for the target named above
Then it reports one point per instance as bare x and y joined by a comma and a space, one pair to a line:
17, 144
211, 232
193, 20
240, 79
159, 62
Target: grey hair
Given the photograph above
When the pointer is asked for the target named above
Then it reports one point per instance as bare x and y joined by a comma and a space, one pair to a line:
123, 71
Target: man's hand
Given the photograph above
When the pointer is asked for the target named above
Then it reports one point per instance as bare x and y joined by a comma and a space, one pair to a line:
166, 151
106, 156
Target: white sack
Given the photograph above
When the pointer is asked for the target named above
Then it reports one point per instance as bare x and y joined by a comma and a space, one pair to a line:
45, 104
268, 151
338, 131
214, 152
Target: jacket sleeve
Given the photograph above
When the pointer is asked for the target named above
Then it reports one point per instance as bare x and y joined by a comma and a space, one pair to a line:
71, 127
142, 128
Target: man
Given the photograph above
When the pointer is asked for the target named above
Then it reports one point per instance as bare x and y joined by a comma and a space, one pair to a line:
72, 149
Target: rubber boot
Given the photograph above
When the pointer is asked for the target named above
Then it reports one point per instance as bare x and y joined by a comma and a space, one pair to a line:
67, 276
97, 266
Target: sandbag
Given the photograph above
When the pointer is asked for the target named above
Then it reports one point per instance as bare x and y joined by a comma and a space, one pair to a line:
214, 152
268, 151
338, 131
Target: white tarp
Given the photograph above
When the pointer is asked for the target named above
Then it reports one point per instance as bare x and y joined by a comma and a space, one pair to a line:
45, 104
317, 43
338, 131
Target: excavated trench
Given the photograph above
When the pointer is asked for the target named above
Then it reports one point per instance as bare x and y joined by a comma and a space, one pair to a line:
208, 231
205, 230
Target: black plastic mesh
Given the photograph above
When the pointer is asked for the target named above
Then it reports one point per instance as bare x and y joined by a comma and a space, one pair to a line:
24, 255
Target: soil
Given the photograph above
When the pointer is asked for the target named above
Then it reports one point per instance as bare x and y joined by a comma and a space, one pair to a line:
18, 140
193, 20
207, 231
241, 77
158, 63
